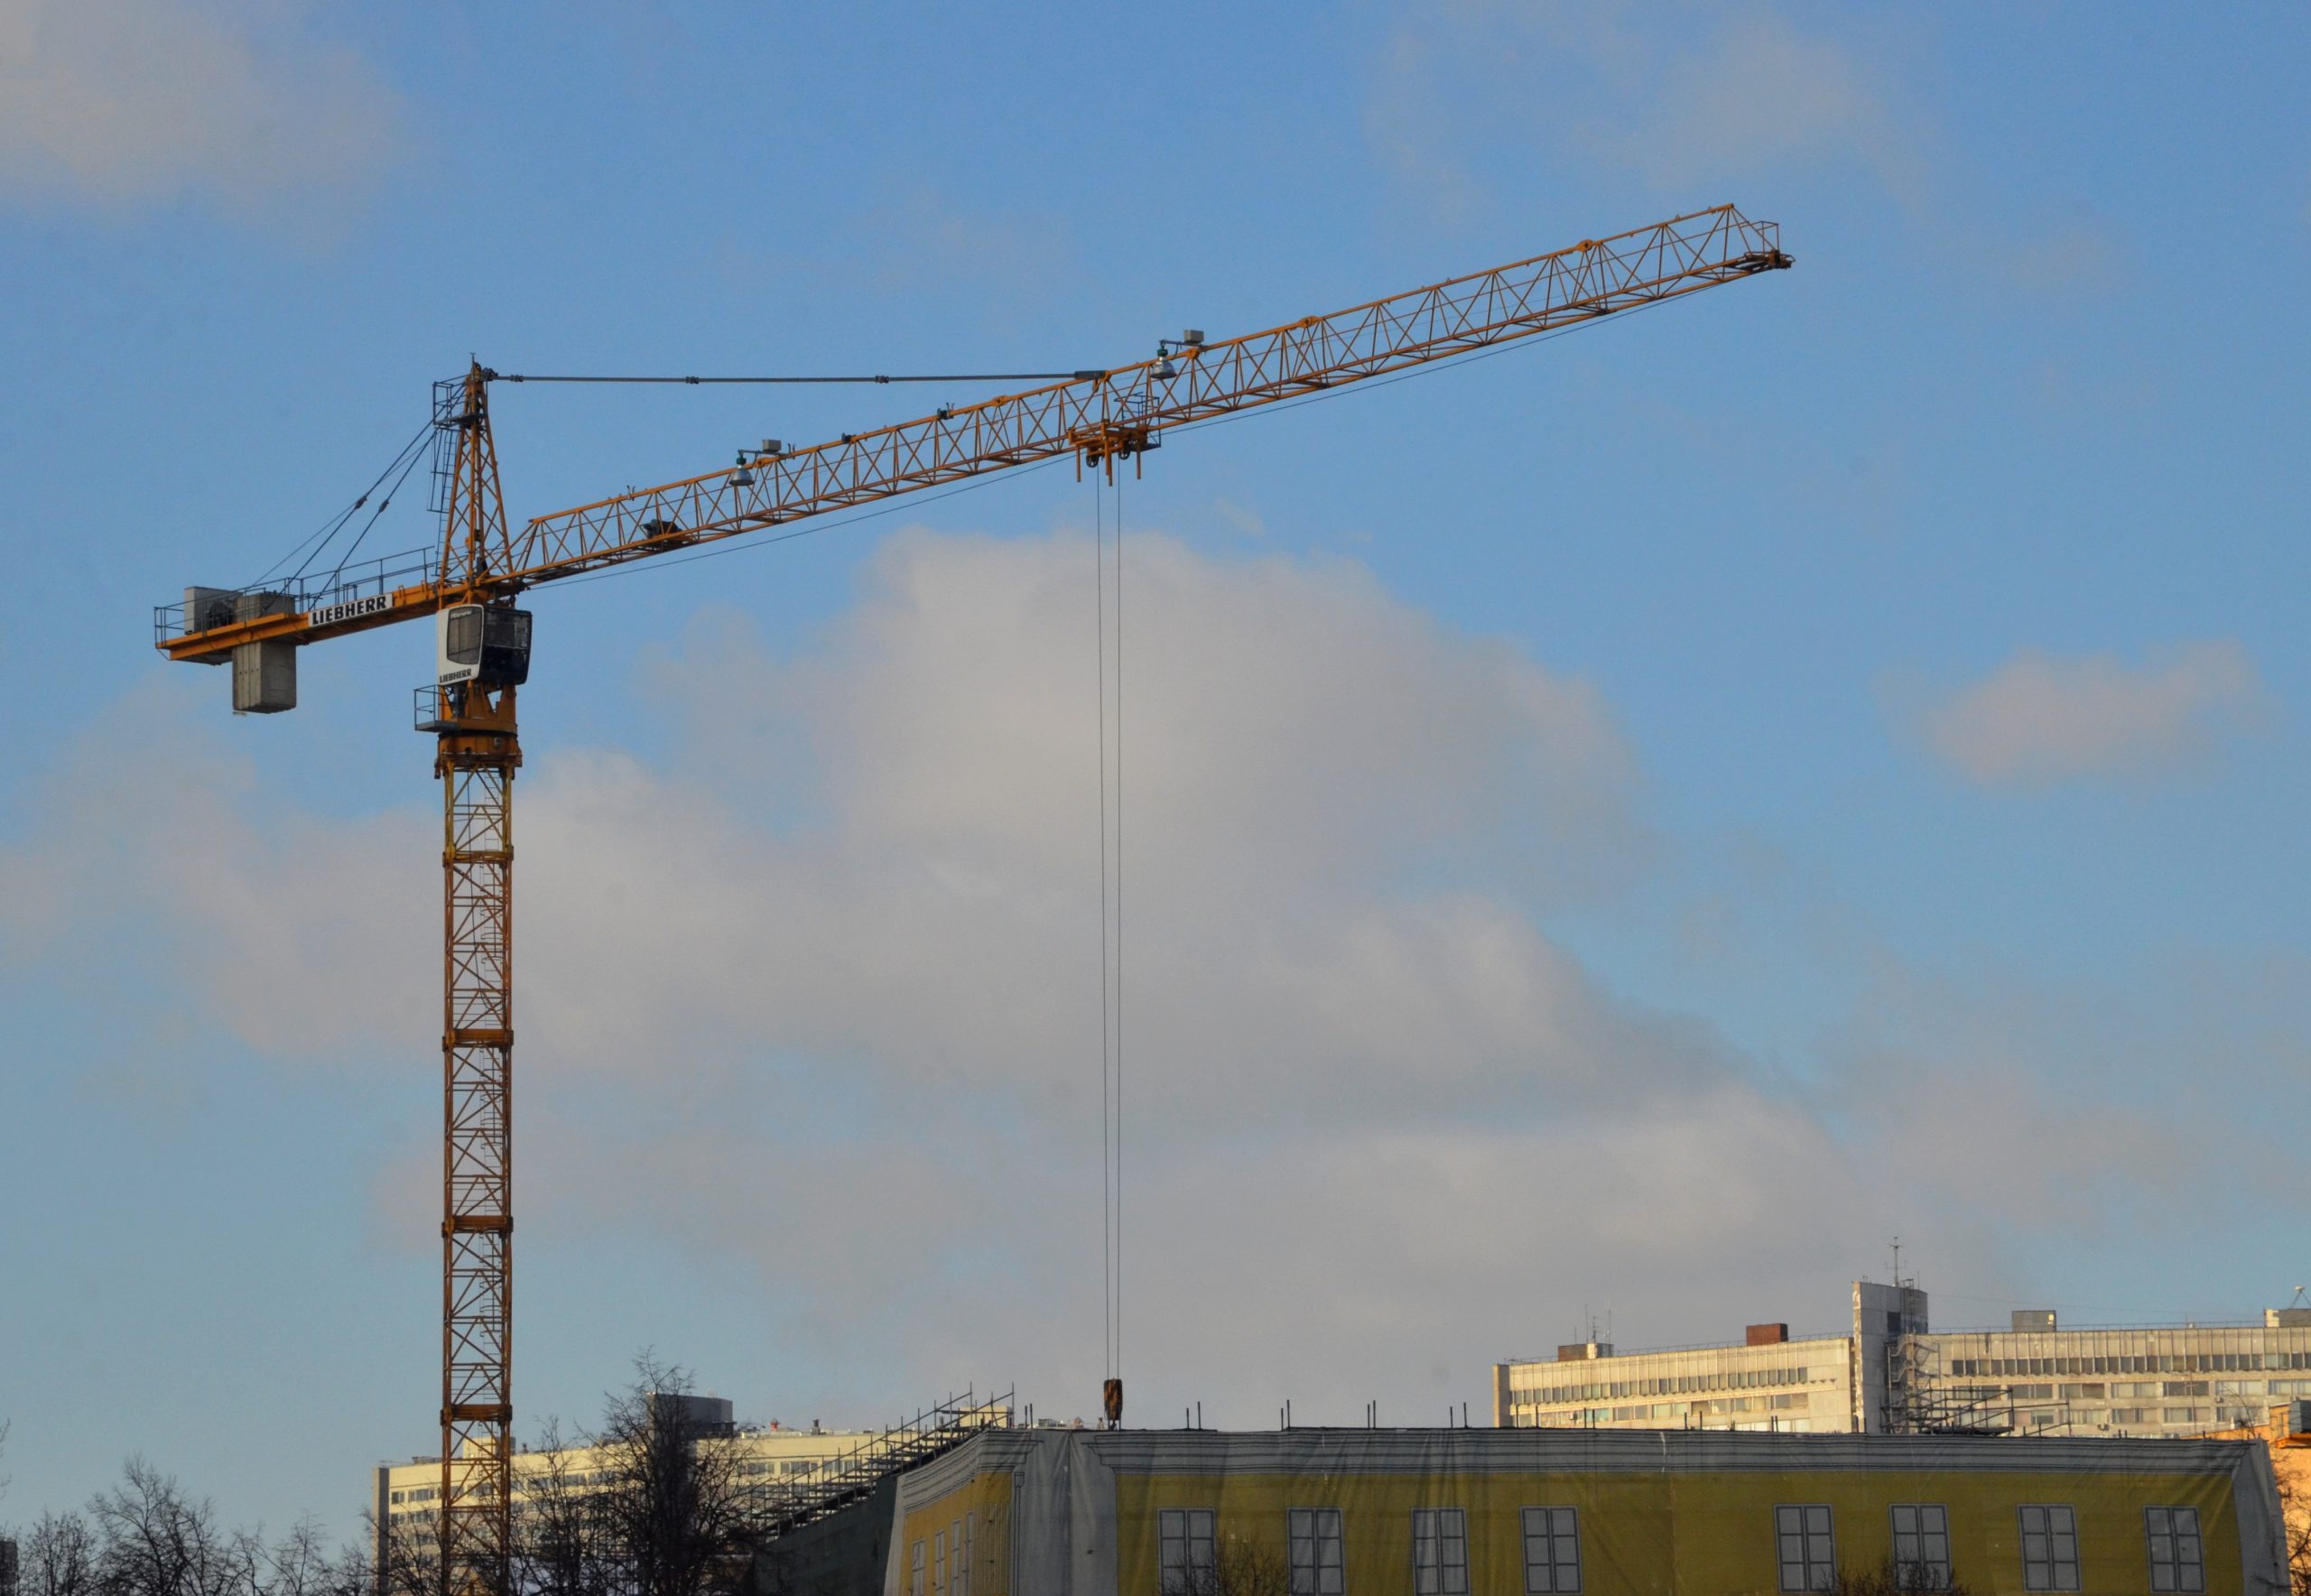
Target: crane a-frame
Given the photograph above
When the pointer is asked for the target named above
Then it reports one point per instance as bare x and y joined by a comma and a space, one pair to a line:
470, 583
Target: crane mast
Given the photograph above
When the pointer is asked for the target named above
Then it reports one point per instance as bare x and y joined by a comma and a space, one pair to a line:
478, 749
469, 581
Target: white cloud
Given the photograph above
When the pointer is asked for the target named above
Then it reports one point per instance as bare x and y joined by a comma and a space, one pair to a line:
1326, 1266
1685, 97
816, 995
2041, 719
819, 992
125, 100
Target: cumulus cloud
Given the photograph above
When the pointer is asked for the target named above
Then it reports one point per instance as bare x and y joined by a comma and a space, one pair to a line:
299, 934
2041, 719
819, 991
815, 994
1679, 96
153, 99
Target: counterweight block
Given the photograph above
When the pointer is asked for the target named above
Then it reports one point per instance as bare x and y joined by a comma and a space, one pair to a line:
264, 674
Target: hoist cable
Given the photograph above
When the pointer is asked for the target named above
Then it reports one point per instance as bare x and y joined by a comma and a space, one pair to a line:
1107, 1116
1119, 1347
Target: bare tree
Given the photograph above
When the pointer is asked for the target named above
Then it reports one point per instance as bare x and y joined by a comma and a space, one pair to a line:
405, 1565
155, 1541
1239, 1568
672, 1509
299, 1564
59, 1557
564, 1536
1890, 1578
651, 1504
147, 1537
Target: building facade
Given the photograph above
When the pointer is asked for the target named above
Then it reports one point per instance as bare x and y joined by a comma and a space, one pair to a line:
1499, 1512
406, 1497
1891, 1372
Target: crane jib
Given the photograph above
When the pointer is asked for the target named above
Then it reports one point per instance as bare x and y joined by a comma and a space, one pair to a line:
1096, 416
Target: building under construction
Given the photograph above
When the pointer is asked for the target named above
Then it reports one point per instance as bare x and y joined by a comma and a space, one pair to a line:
1890, 1371
1044, 1511
786, 1474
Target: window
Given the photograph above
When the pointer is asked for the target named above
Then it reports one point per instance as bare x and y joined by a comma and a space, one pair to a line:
1316, 1561
961, 1541
1809, 1560
939, 1563
916, 1586
1185, 1561
2049, 1549
1922, 1545
462, 634
1440, 1551
2176, 1563
1552, 1551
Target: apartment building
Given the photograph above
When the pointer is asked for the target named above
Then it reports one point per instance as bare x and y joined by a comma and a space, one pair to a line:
1888, 1370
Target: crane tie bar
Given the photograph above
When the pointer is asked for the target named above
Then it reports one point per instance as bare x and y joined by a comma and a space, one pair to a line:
967, 377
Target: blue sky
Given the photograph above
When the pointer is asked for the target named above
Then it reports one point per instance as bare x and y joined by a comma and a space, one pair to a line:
1629, 825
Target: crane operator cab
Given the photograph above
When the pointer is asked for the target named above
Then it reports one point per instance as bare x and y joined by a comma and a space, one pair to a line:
487, 644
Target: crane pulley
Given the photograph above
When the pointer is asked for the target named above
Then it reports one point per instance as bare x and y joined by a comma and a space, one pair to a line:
470, 580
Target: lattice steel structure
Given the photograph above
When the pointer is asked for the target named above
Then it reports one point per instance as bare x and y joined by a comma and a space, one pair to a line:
478, 751
472, 578
1099, 417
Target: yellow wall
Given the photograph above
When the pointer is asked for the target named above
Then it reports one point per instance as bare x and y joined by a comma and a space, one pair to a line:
1685, 1532
986, 1500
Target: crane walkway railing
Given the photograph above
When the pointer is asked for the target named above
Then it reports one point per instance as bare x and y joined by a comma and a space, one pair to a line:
365, 586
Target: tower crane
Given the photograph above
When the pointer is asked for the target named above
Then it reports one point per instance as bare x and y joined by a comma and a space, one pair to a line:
471, 583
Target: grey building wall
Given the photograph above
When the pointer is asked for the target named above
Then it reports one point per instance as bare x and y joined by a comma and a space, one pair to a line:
843, 1556
1883, 1316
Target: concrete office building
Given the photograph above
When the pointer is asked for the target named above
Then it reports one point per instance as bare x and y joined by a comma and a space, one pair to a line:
1891, 1372
407, 1496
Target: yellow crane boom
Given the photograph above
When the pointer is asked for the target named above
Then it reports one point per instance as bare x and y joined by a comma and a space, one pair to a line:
1096, 416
